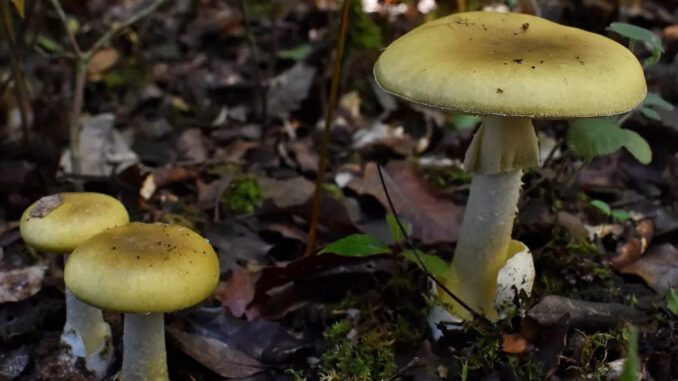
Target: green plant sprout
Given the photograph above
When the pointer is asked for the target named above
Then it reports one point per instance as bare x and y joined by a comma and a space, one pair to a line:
615, 214
589, 138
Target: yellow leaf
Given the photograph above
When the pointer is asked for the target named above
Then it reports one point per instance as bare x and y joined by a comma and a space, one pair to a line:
20, 7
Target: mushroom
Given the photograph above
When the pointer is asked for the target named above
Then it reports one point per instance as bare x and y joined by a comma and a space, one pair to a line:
510, 68
143, 270
59, 223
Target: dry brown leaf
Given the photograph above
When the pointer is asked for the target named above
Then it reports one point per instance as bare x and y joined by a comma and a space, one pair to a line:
433, 217
217, 356
659, 268
630, 251
513, 343
237, 292
102, 61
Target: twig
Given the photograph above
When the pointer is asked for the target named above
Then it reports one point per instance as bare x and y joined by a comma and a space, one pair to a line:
414, 363
23, 99
259, 87
64, 20
415, 250
329, 117
117, 28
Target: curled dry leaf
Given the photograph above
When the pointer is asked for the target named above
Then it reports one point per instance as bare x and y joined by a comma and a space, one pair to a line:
631, 250
659, 268
22, 283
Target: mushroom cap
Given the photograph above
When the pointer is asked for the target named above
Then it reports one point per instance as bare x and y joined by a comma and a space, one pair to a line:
511, 64
60, 222
143, 268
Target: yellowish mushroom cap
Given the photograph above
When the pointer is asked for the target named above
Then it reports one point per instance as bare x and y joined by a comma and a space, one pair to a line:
143, 268
511, 64
60, 222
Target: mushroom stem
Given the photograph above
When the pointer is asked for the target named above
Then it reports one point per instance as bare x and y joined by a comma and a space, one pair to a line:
501, 148
87, 335
144, 357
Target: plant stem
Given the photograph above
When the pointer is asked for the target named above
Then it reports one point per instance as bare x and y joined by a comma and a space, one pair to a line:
23, 99
82, 59
329, 118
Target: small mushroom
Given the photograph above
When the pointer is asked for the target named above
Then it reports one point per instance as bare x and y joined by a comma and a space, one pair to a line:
453, 63
143, 270
58, 224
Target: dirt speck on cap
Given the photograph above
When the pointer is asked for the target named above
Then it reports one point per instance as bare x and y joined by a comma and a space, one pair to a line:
46, 205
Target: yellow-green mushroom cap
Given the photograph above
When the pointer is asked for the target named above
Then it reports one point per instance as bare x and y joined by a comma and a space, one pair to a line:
60, 222
511, 64
143, 268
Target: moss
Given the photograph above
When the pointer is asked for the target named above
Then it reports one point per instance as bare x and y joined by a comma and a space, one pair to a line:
593, 354
445, 177
242, 196
334, 191
365, 358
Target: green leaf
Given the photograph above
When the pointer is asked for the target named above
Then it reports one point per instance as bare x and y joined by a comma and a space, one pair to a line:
48, 44
632, 362
465, 122
356, 245
650, 113
589, 138
620, 215
396, 233
672, 301
602, 206
432, 263
297, 53
638, 147
654, 99
636, 33
20, 7
633, 32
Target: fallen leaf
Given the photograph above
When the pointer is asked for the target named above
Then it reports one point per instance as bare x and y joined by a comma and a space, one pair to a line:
513, 343
22, 283
433, 217
217, 356
631, 250
658, 267
238, 291
46, 205
103, 149
289, 89
191, 146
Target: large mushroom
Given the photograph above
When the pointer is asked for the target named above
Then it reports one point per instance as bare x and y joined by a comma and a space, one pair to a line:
143, 270
509, 68
58, 224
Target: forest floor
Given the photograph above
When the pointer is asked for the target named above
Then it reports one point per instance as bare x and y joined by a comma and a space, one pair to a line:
210, 117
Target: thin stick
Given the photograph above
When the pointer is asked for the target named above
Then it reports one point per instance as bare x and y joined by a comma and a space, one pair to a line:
415, 250
23, 99
117, 28
64, 20
329, 117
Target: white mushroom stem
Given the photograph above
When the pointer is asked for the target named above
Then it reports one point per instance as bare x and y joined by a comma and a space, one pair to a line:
144, 357
484, 237
87, 335
499, 151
